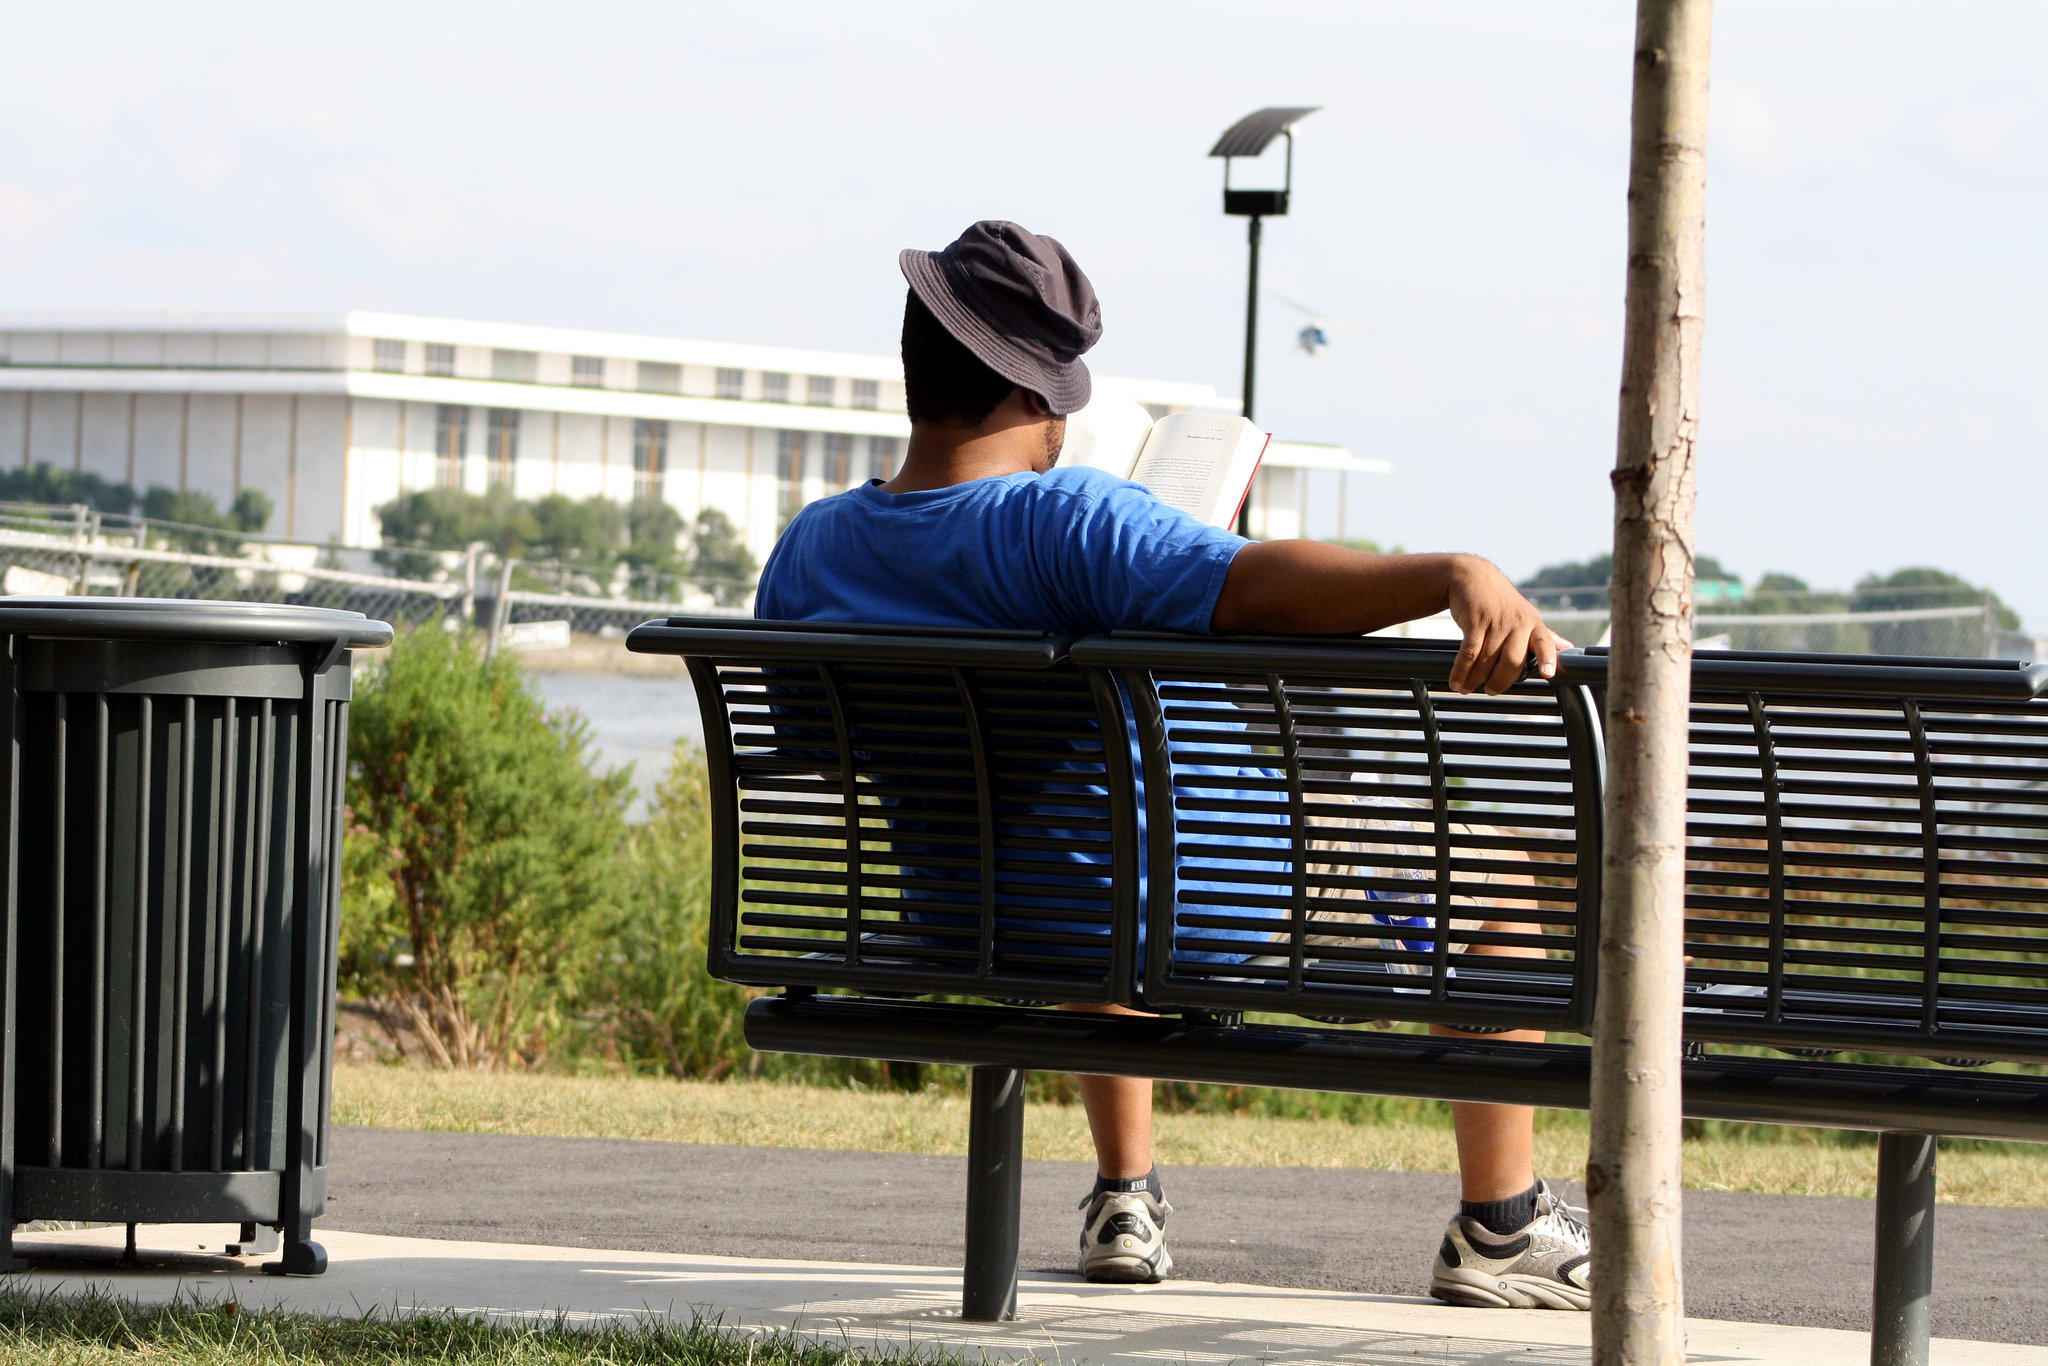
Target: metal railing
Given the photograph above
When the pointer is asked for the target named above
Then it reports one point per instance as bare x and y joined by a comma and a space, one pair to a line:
52, 564
67, 558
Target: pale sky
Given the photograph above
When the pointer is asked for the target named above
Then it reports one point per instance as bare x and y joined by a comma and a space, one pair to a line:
1877, 215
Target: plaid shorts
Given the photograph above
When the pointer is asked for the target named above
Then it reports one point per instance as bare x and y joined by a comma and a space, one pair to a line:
1390, 823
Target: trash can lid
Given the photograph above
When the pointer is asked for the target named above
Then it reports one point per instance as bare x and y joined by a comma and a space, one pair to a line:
189, 619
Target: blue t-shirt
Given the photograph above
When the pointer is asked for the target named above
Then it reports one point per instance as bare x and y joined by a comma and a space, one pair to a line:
1075, 552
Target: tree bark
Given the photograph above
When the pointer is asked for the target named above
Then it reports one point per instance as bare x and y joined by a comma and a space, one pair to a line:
1633, 1174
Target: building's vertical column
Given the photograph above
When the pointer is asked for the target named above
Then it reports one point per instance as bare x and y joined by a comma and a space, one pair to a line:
404, 478
476, 473
350, 479
291, 472
703, 466
14, 404
748, 497
28, 425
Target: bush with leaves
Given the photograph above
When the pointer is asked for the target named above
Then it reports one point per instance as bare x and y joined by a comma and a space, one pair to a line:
203, 526
653, 1005
455, 519
1903, 590
484, 854
722, 561
660, 1007
42, 483
586, 542
200, 525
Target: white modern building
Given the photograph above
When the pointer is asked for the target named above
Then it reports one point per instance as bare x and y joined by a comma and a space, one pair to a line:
333, 415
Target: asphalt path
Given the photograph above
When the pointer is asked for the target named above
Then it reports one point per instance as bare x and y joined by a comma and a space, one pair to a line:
1753, 1258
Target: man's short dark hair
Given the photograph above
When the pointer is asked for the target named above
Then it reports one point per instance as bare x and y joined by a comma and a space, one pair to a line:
944, 382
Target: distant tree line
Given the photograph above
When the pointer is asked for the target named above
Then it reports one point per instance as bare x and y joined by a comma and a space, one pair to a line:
1582, 586
197, 522
588, 538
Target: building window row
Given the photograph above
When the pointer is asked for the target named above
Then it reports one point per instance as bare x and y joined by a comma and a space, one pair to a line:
650, 457
652, 377
451, 439
838, 472
502, 452
838, 461
836, 467
789, 477
517, 367
882, 458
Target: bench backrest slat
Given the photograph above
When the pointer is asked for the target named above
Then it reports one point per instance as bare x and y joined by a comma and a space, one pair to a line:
913, 812
1869, 864
1386, 795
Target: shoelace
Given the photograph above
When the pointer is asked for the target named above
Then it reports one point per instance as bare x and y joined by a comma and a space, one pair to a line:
1564, 1221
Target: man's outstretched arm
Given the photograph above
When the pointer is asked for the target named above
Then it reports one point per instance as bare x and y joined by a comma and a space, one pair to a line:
1312, 588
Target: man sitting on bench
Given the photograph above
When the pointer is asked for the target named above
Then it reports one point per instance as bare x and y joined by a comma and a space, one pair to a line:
981, 529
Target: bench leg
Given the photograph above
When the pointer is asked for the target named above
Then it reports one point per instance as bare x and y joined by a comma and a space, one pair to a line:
1902, 1290
995, 1173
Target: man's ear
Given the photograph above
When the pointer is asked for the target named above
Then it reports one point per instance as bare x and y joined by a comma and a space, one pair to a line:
1035, 402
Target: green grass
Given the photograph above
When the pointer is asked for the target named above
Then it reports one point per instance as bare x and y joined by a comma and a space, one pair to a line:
97, 1329
1394, 1136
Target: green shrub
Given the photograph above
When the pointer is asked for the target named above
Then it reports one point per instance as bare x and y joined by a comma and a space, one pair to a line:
653, 1004
722, 559
484, 855
659, 1007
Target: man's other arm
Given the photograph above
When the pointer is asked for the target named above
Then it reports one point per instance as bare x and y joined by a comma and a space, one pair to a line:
1311, 588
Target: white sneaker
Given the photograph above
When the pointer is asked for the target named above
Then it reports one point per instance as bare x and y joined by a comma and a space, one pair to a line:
1123, 1237
1541, 1265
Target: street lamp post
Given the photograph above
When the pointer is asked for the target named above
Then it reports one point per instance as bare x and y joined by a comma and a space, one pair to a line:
1248, 137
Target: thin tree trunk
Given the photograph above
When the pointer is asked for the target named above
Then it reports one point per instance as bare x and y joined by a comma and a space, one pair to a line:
1633, 1176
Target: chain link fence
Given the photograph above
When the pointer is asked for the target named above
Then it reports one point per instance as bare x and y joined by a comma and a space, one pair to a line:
49, 565
76, 551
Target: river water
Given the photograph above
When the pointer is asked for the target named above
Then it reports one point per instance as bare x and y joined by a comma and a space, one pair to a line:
634, 719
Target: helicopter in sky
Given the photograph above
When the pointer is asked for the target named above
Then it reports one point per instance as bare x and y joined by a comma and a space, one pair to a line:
1314, 335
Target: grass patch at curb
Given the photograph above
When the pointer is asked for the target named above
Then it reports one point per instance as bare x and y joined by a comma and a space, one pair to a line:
1413, 1138
96, 1328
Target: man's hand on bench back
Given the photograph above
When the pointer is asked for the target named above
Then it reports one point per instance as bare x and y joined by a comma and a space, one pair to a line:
1312, 588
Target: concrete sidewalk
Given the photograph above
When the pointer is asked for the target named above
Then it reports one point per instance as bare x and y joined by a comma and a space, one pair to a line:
1790, 1259
1061, 1319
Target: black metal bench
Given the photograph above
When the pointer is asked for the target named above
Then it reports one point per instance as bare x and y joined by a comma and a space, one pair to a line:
928, 813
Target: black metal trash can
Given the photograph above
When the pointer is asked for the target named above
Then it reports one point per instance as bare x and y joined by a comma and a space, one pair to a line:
174, 778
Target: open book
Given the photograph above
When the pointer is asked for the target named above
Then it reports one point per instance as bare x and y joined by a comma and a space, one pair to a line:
1201, 463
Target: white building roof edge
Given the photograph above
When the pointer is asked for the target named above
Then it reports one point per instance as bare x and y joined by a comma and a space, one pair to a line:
572, 341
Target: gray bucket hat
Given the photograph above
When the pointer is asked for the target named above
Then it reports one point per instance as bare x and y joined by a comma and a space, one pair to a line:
1018, 302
